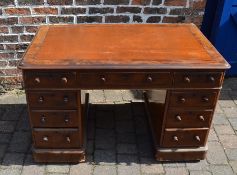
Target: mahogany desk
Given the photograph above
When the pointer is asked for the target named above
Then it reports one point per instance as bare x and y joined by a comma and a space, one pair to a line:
64, 59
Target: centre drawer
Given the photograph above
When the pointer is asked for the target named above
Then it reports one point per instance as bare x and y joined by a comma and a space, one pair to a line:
56, 138
185, 138
54, 118
188, 119
125, 79
52, 99
195, 98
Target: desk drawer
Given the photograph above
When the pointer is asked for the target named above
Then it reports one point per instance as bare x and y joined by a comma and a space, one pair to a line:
56, 99
52, 79
188, 119
197, 79
125, 79
54, 118
185, 138
193, 98
56, 138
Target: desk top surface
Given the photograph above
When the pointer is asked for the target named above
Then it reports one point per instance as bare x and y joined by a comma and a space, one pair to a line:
121, 46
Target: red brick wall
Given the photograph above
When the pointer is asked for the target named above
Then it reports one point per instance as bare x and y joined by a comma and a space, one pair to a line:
19, 20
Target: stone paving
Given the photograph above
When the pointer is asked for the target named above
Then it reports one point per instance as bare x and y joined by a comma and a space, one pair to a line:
118, 138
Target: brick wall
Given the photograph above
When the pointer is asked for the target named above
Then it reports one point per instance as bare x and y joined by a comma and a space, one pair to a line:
19, 20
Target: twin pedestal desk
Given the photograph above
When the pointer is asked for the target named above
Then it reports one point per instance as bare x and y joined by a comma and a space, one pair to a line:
63, 60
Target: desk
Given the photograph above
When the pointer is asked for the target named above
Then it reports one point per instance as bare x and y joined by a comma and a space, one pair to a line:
65, 59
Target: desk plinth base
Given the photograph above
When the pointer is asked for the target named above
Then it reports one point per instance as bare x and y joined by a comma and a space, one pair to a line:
180, 154
155, 112
59, 155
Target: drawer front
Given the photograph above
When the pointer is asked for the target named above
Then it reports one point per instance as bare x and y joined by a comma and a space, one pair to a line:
56, 138
117, 80
50, 79
193, 98
185, 138
57, 99
54, 119
197, 79
188, 119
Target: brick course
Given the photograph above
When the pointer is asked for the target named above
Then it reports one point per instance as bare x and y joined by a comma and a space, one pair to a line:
19, 21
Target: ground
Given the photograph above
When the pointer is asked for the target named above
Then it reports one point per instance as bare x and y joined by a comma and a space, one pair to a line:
118, 138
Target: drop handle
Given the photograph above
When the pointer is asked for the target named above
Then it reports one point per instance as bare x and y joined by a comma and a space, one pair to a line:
64, 80
37, 80
205, 99
187, 79
149, 79
175, 138
65, 99
201, 118
45, 138
197, 138
178, 118
41, 99
68, 139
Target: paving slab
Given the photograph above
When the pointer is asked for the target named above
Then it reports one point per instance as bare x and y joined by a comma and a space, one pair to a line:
81, 168
231, 154
200, 173
176, 171
201, 165
216, 154
220, 119
105, 170
128, 169
150, 166
228, 141
57, 168
126, 148
127, 159
113, 95
224, 129
105, 157
233, 122
221, 170
31, 168
233, 164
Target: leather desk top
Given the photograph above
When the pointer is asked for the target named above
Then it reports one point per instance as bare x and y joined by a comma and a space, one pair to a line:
121, 46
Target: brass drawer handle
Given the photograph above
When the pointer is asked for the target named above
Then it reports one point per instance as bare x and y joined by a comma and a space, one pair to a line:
201, 118
197, 138
68, 139
37, 80
212, 79
64, 80
41, 99
45, 138
43, 119
205, 99
175, 138
149, 79
103, 79
178, 118
66, 119
65, 99
187, 79
182, 100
